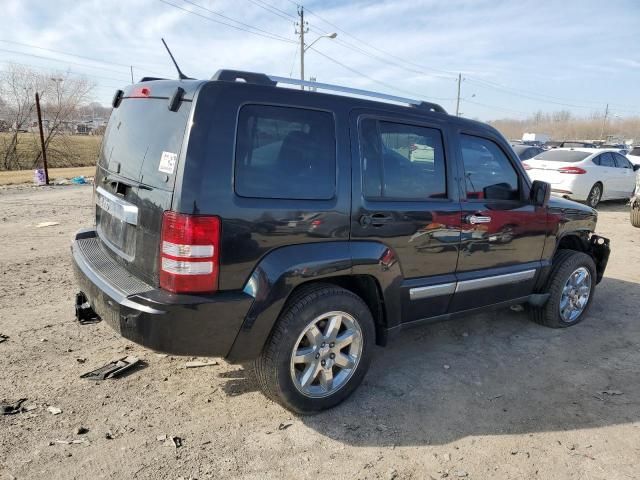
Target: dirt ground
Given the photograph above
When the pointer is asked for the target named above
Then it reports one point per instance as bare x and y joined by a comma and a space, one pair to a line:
492, 396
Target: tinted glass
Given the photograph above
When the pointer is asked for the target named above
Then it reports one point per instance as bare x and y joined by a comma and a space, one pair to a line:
488, 172
520, 150
606, 160
635, 152
285, 152
403, 162
141, 131
621, 162
563, 155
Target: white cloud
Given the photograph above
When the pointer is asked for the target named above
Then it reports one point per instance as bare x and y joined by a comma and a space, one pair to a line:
566, 50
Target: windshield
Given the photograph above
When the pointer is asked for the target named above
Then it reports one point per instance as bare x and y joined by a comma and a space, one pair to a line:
562, 156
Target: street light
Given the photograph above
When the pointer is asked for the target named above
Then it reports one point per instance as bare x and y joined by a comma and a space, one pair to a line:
304, 48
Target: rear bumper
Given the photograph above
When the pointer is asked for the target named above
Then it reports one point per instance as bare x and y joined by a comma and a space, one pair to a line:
176, 324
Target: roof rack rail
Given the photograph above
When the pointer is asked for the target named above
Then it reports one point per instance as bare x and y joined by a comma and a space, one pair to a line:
272, 80
356, 91
248, 77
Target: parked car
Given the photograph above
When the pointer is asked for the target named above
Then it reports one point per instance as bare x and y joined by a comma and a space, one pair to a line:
525, 152
291, 231
585, 175
634, 155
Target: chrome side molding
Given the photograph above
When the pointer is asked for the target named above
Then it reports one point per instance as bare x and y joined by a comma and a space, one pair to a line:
419, 293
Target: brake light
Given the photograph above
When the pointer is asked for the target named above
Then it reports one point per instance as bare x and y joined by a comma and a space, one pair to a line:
572, 170
140, 92
189, 253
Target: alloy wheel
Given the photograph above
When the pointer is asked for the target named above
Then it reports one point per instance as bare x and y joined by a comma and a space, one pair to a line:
326, 354
575, 295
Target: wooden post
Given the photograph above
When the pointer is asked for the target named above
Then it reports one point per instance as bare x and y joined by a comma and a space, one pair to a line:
44, 150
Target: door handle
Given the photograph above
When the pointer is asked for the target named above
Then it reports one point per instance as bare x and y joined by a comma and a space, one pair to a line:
475, 219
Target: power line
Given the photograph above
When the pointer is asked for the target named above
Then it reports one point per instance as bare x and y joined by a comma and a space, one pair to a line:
533, 96
106, 62
65, 62
267, 35
234, 20
15, 52
69, 72
360, 74
274, 10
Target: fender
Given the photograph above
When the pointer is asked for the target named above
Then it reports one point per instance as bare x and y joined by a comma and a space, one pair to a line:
282, 270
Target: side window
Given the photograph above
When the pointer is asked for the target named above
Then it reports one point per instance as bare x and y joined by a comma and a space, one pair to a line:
606, 160
621, 162
402, 162
488, 172
284, 152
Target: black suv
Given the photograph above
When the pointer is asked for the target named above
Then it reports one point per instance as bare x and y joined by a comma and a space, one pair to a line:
293, 230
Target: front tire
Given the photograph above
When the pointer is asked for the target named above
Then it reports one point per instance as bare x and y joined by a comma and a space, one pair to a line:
319, 350
634, 213
571, 284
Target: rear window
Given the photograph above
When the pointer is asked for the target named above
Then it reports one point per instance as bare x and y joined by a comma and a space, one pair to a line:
284, 152
562, 156
143, 141
635, 152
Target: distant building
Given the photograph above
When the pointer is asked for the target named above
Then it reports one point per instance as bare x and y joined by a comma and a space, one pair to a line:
536, 137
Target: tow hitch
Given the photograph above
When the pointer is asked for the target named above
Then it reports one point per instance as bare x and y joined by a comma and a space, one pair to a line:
84, 313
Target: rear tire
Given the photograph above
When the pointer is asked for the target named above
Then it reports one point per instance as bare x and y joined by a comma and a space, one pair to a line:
566, 291
634, 214
595, 195
308, 370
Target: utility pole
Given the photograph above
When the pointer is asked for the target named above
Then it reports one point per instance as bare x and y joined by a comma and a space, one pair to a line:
604, 121
303, 28
458, 101
44, 150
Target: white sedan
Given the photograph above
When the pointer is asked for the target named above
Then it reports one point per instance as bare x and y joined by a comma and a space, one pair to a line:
634, 155
584, 174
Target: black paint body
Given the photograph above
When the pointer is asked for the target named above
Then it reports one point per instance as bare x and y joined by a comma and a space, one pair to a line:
271, 246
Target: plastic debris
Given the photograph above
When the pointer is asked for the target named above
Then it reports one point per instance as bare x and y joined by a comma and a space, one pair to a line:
47, 224
12, 408
112, 369
54, 410
198, 364
79, 180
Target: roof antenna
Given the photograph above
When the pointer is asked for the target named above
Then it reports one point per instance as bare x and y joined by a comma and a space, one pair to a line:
180, 74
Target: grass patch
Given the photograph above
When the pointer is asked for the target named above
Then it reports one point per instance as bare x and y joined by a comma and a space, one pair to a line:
63, 151
14, 177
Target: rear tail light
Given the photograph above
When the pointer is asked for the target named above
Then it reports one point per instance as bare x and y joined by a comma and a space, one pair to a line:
572, 170
189, 253
526, 166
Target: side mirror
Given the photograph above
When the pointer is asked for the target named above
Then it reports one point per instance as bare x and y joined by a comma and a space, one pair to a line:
540, 193
636, 167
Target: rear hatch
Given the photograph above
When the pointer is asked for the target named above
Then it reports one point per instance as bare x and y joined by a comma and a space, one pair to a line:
136, 172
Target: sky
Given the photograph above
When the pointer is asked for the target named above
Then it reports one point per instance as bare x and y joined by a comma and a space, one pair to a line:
515, 57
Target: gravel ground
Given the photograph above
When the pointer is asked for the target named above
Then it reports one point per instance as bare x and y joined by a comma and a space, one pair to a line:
490, 396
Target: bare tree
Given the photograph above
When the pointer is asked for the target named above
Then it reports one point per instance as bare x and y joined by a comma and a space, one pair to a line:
61, 96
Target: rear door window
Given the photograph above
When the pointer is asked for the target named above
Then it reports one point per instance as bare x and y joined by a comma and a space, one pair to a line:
606, 160
401, 161
621, 162
284, 152
487, 170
